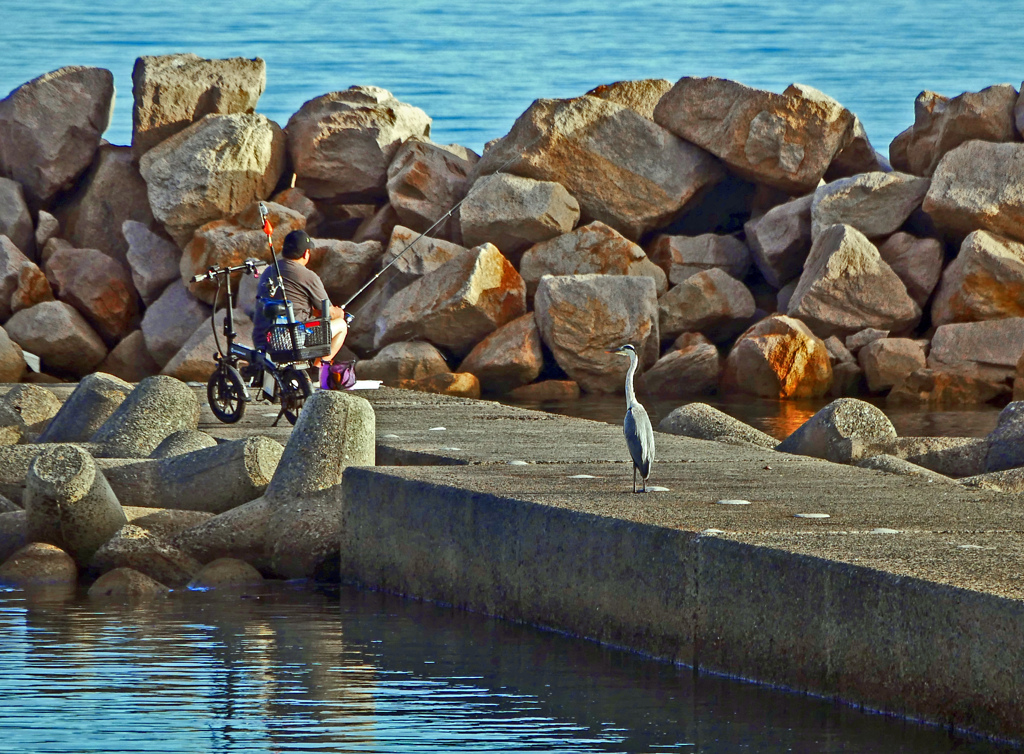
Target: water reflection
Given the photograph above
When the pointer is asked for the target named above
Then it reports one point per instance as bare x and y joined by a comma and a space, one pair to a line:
301, 670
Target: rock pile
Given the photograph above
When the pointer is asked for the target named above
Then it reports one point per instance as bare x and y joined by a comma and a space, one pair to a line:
766, 224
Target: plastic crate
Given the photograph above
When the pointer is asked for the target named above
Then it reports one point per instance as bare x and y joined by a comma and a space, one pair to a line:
313, 339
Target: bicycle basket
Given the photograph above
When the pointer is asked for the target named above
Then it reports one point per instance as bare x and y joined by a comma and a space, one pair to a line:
312, 338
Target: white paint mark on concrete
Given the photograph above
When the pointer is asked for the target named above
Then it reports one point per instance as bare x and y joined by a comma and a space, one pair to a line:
583, 476
733, 502
437, 429
653, 488
518, 463
811, 515
883, 530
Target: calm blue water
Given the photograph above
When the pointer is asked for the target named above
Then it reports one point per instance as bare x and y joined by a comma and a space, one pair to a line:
475, 65
298, 670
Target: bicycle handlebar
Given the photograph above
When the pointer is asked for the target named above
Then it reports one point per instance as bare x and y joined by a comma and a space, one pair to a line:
250, 265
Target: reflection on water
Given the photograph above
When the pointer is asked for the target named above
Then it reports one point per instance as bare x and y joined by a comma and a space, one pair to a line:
780, 418
302, 670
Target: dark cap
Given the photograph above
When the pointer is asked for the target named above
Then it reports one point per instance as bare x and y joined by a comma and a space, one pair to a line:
296, 244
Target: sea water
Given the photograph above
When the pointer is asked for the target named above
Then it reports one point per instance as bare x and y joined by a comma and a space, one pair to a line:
476, 65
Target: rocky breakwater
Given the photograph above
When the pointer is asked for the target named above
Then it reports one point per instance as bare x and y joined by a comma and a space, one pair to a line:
116, 488
741, 239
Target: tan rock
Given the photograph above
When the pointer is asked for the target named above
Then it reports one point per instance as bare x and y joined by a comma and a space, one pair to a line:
642, 95
29, 408
704, 422
226, 574
457, 304
153, 260
194, 360
83, 412
50, 128
683, 256
610, 158
986, 350
546, 390
173, 91
47, 227
838, 353
214, 168
844, 431
784, 140
15, 218
426, 181
864, 337
403, 361
514, 213
59, 335
296, 199
942, 388
460, 384
99, 287
985, 281
691, 367
12, 362
979, 186
33, 288
12, 260
171, 320
38, 564
130, 359
779, 357
341, 143
845, 287
508, 358
916, 261
889, 361
581, 317
876, 204
344, 266
942, 124
780, 240
377, 227
136, 548
126, 585
594, 248
856, 157
712, 302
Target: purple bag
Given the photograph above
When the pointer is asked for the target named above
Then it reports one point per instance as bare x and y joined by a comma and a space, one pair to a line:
339, 376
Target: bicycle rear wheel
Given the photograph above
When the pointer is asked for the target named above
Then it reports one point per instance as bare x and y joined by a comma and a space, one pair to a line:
295, 389
226, 393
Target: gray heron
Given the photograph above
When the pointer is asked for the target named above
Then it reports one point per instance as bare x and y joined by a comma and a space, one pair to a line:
637, 425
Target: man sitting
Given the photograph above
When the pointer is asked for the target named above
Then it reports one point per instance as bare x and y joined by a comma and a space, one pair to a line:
302, 287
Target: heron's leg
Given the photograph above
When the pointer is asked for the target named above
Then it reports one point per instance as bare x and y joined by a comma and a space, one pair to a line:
634, 477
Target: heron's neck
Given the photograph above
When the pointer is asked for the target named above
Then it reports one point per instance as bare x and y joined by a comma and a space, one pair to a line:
630, 395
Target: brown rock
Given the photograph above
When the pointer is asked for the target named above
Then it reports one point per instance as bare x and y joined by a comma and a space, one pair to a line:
889, 361
691, 367
344, 266
581, 317
838, 353
514, 213
15, 218
508, 358
341, 143
546, 390
110, 193
916, 261
864, 337
50, 128
784, 140
126, 585
986, 350
457, 304
978, 185
985, 281
214, 168
426, 181
130, 359
99, 287
59, 335
12, 362
683, 256
153, 260
11, 263
942, 124
779, 357
642, 95
845, 287
194, 360
173, 91
609, 158
876, 204
460, 384
594, 248
171, 320
940, 388
378, 226
780, 240
38, 564
33, 288
403, 361
712, 302
857, 157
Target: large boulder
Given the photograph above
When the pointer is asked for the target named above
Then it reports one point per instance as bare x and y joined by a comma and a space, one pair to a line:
214, 168
194, 360
621, 167
457, 304
59, 335
594, 248
344, 266
15, 218
916, 261
509, 357
110, 193
157, 407
780, 240
126, 585
845, 431
985, 281
683, 256
582, 317
940, 387
979, 185
779, 357
403, 361
228, 242
12, 360
141, 550
514, 213
783, 140
845, 287
170, 321
173, 91
85, 410
712, 302
50, 128
986, 350
705, 422
456, 384
16, 272
426, 181
130, 360
38, 564
642, 96
98, 286
691, 366
888, 361
942, 124
153, 260
28, 409
341, 143
877, 204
